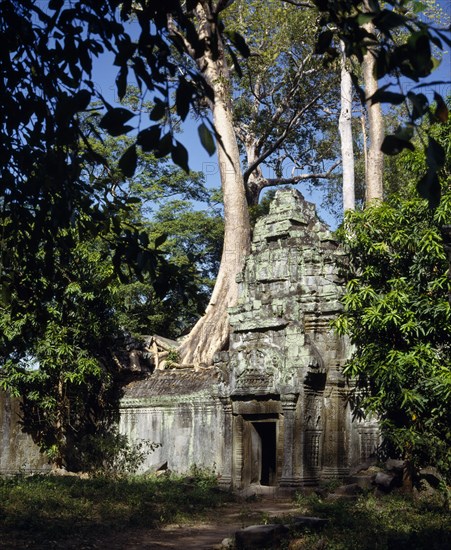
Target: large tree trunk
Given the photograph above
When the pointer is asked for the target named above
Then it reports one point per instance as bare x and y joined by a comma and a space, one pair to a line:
375, 165
210, 334
255, 181
345, 129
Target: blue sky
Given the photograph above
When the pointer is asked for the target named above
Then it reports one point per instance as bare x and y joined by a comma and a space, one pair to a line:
199, 160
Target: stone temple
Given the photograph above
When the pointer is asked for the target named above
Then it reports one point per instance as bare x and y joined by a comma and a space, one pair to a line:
272, 410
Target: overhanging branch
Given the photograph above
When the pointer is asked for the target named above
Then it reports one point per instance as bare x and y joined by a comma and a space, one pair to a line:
274, 146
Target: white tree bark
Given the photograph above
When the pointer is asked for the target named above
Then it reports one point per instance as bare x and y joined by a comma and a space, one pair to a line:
210, 334
345, 130
375, 165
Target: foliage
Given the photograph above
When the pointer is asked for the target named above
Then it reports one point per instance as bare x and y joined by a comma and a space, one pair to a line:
110, 454
368, 523
58, 333
70, 509
45, 196
169, 300
397, 314
193, 247
47, 66
65, 231
284, 100
409, 54
403, 169
60, 358
66, 358
65, 318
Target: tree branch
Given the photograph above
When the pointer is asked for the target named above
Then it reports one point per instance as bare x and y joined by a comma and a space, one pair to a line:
222, 5
172, 28
263, 156
282, 108
242, 131
272, 182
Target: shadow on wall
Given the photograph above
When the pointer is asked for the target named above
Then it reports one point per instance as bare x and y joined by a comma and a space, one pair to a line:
18, 452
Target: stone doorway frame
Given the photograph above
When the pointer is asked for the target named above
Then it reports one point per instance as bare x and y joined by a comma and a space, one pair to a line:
245, 433
252, 448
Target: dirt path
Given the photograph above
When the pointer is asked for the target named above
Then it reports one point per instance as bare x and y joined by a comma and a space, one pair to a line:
209, 534
221, 523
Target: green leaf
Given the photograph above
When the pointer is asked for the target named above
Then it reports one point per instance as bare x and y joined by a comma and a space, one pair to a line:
159, 110
429, 188
382, 96
405, 132
149, 138
80, 101
113, 121
441, 111
164, 146
239, 42
435, 154
183, 96
393, 145
121, 82
418, 7
5, 294
180, 156
160, 240
206, 139
236, 63
383, 60
364, 18
128, 161
324, 41
420, 56
420, 104
388, 20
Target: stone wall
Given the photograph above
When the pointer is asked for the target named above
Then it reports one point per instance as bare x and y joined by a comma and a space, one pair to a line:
18, 453
284, 361
177, 409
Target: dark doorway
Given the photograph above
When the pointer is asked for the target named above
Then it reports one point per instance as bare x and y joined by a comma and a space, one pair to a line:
259, 449
267, 433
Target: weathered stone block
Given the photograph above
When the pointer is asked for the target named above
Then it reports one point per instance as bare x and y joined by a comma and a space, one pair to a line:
260, 536
386, 480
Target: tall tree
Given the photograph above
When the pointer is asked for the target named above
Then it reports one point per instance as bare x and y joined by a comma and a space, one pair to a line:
398, 315
346, 139
278, 111
47, 66
211, 332
376, 132
285, 100
400, 43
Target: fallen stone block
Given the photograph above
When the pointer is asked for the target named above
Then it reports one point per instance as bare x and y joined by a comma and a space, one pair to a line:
385, 480
431, 476
260, 536
307, 522
393, 465
364, 481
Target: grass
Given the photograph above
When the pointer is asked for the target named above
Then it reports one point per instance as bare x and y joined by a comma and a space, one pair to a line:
392, 522
48, 511
53, 508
